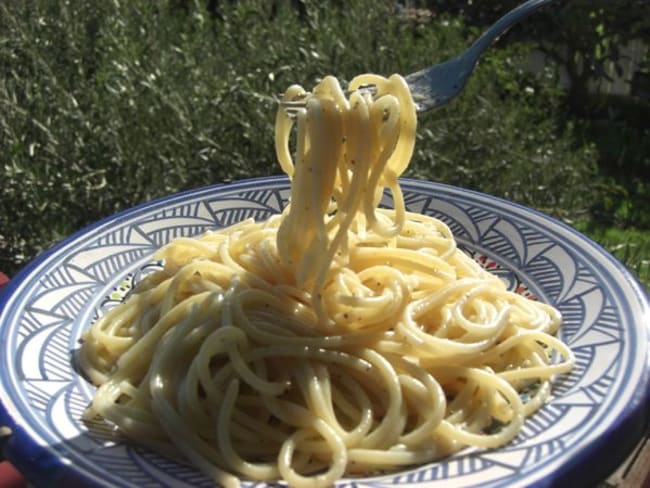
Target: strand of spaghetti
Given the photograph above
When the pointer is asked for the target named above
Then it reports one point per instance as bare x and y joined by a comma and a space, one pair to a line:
283, 125
404, 259
254, 329
507, 433
256, 471
433, 402
347, 210
387, 110
133, 363
315, 383
391, 425
169, 353
332, 339
199, 452
372, 458
397, 86
431, 345
338, 455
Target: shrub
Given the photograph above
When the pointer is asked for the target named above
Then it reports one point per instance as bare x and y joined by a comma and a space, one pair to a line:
107, 104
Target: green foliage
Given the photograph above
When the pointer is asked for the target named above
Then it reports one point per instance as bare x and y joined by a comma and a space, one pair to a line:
583, 36
624, 159
501, 139
631, 247
585, 43
106, 104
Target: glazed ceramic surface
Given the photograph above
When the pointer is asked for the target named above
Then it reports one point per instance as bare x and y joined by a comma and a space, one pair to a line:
603, 402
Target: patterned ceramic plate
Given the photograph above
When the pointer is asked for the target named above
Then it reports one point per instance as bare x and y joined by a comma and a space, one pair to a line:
592, 420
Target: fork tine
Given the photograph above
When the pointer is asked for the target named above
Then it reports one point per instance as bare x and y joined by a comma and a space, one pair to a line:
293, 106
437, 85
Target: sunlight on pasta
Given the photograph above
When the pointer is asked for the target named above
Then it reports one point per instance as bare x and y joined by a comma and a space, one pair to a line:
337, 339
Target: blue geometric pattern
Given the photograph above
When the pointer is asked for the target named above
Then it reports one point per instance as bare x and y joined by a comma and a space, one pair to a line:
54, 300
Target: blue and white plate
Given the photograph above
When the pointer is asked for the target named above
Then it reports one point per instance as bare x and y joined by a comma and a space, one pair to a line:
594, 417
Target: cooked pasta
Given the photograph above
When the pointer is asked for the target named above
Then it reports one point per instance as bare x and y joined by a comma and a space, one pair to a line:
335, 339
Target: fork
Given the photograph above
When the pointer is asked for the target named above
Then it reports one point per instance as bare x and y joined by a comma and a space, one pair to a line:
437, 85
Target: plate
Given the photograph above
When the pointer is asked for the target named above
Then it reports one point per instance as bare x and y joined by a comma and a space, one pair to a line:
604, 402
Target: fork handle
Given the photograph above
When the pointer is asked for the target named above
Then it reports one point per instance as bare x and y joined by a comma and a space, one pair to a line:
503, 24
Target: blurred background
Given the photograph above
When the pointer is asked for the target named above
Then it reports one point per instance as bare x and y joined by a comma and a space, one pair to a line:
105, 104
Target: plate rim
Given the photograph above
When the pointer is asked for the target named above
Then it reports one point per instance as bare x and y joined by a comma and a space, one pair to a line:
635, 417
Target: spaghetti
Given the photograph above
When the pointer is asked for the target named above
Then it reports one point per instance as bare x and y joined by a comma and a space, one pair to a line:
335, 339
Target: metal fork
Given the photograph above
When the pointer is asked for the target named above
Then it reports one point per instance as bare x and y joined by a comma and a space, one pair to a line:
437, 85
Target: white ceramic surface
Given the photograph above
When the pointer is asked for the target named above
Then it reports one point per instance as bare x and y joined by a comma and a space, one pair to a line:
599, 408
